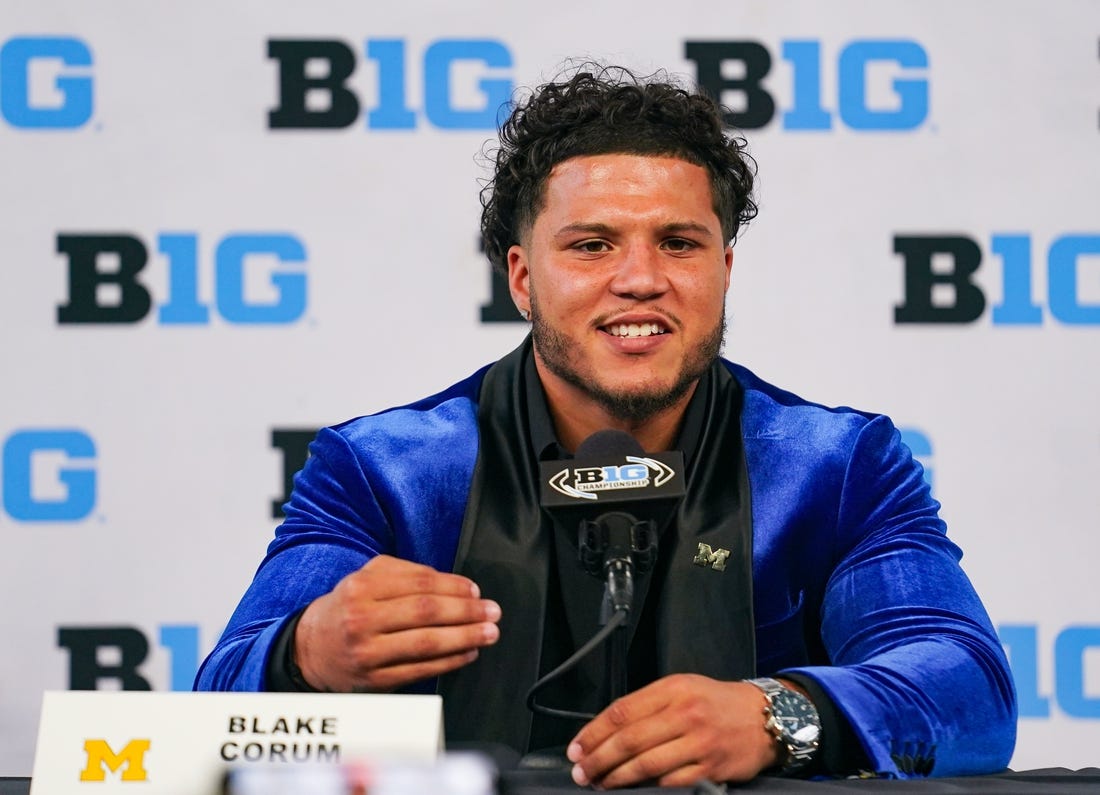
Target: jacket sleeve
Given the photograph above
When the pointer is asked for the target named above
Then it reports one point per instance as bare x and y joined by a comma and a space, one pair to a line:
916, 666
333, 526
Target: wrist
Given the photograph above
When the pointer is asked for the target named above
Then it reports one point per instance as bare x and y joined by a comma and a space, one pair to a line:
299, 663
791, 719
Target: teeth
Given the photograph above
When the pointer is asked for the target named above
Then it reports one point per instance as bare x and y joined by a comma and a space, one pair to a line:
635, 329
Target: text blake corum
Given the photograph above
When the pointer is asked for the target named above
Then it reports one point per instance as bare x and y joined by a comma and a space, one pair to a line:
281, 740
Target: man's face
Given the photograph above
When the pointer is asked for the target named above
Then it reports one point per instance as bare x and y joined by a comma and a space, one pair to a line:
625, 271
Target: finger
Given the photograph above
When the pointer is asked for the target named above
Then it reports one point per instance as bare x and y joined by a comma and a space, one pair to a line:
424, 610
649, 765
384, 577
649, 740
395, 676
685, 776
424, 644
622, 712
732, 768
690, 775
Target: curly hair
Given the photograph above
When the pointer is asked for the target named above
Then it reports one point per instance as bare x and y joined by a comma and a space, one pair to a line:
609, 110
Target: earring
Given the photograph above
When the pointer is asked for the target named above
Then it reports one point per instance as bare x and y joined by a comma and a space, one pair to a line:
526, 313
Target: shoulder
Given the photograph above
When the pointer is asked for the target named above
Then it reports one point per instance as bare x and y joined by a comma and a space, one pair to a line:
833, 452
439, 416
851, 463
438, 432
772, 413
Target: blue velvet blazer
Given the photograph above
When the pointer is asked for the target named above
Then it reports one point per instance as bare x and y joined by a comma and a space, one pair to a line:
855, 583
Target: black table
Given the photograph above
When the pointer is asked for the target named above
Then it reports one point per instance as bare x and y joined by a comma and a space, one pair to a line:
1026, 782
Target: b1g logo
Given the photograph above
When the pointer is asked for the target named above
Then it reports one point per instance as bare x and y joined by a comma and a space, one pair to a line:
920, 445
49, 475
463, 84
636, 472
734, 73
117, 654
45, 82
940, 287
1066, 658
257, 279
294, 445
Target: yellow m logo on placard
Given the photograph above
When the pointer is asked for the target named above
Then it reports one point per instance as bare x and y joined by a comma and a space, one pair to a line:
101, 755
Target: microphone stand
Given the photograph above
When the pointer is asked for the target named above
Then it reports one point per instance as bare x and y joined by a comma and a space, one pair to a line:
625, 542
612, 547
618, 595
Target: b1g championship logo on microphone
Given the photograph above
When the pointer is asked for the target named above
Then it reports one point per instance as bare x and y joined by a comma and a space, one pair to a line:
611, 467
636, 473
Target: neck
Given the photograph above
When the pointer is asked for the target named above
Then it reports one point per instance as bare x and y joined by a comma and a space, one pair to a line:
577, 415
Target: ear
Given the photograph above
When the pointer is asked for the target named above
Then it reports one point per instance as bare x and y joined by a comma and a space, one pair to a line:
519, 278
729, 265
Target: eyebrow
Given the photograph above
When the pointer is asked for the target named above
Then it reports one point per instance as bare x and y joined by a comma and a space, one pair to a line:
596, 228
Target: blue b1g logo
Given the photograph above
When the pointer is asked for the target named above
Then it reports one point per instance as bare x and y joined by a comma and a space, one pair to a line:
734, 73
940, 285
1026, 656
314, 90
49, 475
920, 445
45, 82
275, 261
128, 649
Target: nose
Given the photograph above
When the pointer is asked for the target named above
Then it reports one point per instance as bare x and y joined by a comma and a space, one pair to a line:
640, 274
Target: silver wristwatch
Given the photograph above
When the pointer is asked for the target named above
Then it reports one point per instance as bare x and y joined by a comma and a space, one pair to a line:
793, 721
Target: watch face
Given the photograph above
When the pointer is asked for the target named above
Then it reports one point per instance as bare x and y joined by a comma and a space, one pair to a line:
796, 717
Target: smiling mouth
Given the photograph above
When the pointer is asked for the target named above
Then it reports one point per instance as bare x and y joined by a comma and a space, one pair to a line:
635, 329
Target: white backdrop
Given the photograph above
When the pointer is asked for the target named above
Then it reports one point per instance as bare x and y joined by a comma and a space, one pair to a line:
139, 469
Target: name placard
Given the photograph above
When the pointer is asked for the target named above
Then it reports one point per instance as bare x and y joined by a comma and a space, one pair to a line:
97, 741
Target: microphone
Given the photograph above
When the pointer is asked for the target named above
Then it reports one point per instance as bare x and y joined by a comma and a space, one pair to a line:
619, 498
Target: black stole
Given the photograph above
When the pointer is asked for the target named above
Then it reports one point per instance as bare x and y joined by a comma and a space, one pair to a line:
698, 619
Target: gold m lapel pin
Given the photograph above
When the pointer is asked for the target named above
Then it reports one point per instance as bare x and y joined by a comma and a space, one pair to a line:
714, 558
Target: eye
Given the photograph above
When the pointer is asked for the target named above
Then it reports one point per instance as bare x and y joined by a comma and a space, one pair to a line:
593, 246
678, 244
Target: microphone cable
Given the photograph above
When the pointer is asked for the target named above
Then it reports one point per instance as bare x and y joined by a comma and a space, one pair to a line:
617, 619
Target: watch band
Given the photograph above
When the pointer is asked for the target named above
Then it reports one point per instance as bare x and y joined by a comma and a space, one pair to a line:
786, 706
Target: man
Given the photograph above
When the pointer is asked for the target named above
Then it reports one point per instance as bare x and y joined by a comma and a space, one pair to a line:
415, 556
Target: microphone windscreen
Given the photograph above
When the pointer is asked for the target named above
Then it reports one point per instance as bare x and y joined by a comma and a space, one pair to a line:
609, 443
